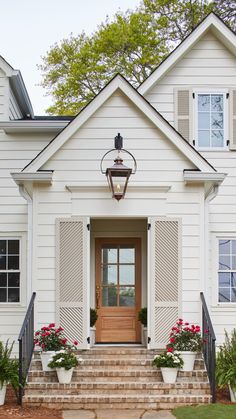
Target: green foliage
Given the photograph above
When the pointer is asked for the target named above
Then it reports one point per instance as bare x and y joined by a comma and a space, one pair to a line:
133, 43
64, 359
93, 317
226, 362
210, 411
185, 337
8, 366
142, 316
168, 360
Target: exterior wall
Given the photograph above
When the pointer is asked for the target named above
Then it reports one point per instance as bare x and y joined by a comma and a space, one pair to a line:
208, 64
14, 110
15, 152
77, 164
4, 96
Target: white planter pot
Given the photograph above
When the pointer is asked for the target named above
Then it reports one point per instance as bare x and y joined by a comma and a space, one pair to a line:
232, 394
3, 394
144, 336
169, 375
92, 336
64, 376
189, 359
45, 357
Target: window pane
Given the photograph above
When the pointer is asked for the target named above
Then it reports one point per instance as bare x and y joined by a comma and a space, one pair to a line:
14, 279
3, 295
13, 247
217, 138
204, 138
13, 262
109, 296
233, 295
204, 120
224, 247
203, 102
3, 280
224, 263
109, 255
3, 249
127, 274
217, 121
224, 279
233, 262
2, 262
127, 296
224, 295
127, 255
109, 275
13, 295
233, 279
217, 103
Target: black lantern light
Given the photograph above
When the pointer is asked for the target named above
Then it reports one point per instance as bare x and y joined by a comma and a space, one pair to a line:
118, 175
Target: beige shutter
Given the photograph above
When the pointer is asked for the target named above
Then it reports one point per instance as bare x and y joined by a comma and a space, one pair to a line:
183, 112
232, 116
164, 279
72, 285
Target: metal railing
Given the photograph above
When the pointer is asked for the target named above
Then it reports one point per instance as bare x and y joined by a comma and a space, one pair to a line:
209, 350
26, 346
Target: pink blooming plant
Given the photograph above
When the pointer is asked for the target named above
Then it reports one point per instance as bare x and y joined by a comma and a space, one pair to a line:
52, 338
185, 337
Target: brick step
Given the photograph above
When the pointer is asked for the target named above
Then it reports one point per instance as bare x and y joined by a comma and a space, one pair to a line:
117, 375
103, 354
116, 388
97, 401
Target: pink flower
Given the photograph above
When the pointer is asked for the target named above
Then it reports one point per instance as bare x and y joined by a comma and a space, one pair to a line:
170, 349
186, 323
206, 331
51, 325
47, 333
172, 340
36, 333
75, 342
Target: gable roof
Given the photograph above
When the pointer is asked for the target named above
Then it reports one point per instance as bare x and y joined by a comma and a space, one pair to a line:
213, 22
119, 82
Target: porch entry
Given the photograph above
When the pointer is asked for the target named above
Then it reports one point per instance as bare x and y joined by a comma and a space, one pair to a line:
118, 289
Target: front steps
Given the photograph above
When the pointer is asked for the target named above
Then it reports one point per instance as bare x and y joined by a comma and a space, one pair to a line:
116, 378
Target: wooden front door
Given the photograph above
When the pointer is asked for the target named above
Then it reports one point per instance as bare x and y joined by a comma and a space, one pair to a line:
118, 290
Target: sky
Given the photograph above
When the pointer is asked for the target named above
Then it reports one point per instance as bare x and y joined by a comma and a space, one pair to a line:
29, 28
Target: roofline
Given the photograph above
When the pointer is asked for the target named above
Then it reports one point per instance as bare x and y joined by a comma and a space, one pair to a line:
54, 126
91, 107
211, 20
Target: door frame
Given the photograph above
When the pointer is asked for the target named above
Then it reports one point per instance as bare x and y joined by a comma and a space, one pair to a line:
137, 242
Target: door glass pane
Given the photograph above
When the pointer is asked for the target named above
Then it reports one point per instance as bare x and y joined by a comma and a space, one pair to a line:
109, 275
109, 255
126, 255
127, 274
109, 296
127, 296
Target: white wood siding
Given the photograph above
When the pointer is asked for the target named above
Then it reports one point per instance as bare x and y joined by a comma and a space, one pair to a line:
4, 96
14, 110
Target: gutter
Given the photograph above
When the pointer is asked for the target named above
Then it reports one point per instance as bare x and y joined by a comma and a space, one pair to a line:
33, 126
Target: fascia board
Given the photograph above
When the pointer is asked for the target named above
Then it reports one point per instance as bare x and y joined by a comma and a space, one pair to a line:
192, 177
32, 126
142, 104
212, 22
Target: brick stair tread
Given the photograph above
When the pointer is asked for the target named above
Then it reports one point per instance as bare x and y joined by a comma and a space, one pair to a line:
127, 384
116, 398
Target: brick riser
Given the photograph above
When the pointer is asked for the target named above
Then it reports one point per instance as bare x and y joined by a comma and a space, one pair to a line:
114, 378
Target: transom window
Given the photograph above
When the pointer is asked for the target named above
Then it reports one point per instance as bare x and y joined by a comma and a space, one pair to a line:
9, 271
227, 271
211, 118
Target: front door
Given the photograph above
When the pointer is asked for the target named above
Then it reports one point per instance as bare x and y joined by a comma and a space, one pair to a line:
118, 290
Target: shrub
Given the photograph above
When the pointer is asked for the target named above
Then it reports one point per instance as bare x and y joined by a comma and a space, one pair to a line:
142, 316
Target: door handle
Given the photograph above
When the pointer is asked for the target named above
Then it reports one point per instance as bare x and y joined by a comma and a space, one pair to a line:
97, 297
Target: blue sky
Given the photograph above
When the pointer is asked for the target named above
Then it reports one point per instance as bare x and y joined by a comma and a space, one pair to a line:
29, 28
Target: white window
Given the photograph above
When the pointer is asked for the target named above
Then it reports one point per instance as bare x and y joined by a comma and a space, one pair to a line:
227, 271
9, 270
211, 127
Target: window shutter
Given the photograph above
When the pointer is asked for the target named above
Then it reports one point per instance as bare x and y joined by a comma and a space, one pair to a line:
164, 279
232, 114
72, 285
183, 113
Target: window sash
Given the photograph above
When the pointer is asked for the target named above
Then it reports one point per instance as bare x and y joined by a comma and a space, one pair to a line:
8, 272
226, 277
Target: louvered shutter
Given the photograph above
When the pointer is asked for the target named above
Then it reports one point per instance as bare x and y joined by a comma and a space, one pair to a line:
183, 113
72, 285
164, 279
232, 114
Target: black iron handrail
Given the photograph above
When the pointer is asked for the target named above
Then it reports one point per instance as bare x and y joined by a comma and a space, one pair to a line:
26, 346
209, 350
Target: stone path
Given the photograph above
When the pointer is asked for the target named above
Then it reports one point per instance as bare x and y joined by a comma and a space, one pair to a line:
117, 414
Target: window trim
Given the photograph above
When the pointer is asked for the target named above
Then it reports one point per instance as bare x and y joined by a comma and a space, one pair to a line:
202, 91
221, 236
22, 269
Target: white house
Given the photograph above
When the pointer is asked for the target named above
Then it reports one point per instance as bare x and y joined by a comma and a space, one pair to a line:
171, 237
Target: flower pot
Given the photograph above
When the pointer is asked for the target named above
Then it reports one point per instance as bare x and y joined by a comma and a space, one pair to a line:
2, 394
169, 375
232, 394
144, 336
92, 336
189, 359
45, 357
64, 376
